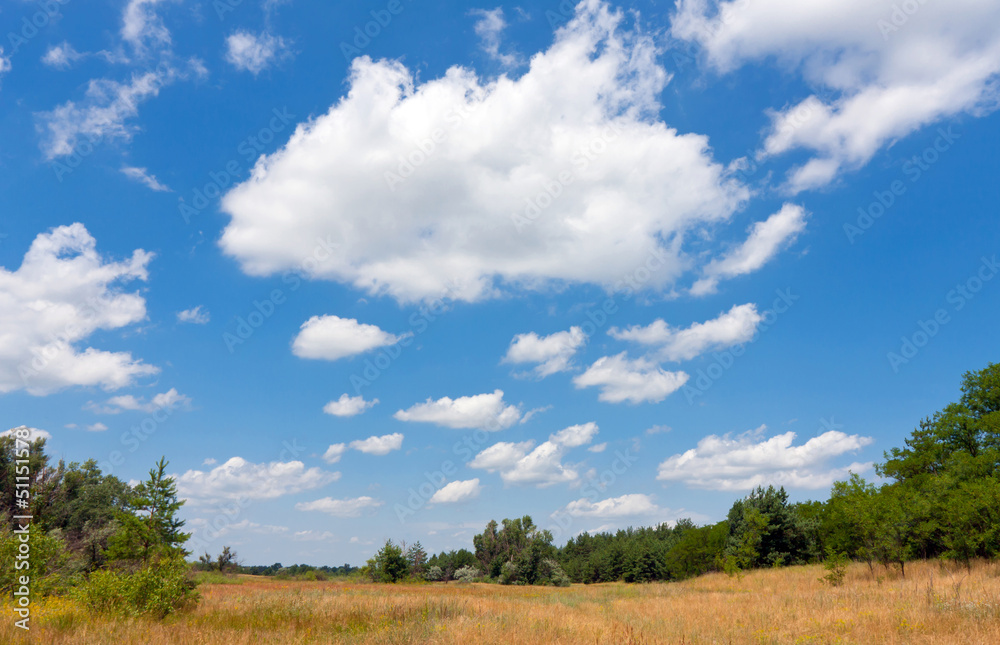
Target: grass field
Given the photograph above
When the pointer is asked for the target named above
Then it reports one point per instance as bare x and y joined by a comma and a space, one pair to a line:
934, 604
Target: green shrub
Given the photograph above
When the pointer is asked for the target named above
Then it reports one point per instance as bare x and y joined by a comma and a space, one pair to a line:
467, 574
836, 567
155, 590
49, 571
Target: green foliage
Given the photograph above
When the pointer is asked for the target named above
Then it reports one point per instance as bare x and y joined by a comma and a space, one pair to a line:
517, 553
389, 564
434, 573
765, 529
468, 574
416, 560
47, 565
150, 528
836, 567
155, 590
82, 504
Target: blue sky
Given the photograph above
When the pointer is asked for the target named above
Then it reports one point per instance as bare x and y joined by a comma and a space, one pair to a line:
605, 264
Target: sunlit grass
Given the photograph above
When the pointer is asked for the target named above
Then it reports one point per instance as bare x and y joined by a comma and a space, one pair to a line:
935, 603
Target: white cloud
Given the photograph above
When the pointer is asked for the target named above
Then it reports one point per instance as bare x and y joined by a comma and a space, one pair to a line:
340, 507
210, 461
348, 406
748, 460
885, 79
379, 445
575, 436
142, 27
142, 176
482, 411
64, 292
253, 52
334, 453
765, 240
501, 455
374, 445
601, 447
489, 27
97, 427
457, 491
734, 327
553, 352
593, 94
103, 113
5, 65
332, 337
241, 479
196, 316
62, 56
169, 400
312, 536
625, 506
519, 465
635, 381
33, 433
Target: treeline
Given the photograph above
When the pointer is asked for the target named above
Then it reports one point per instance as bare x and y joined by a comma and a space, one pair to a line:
940, 498
115, 548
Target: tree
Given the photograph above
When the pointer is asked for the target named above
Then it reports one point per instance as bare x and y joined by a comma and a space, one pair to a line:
226, 560
389, 564
416, 559
150, 527
764, 530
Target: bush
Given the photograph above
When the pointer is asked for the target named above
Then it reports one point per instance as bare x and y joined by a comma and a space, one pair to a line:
836, 567
434, 573
554, 574
49, 570
155, 590
467, 574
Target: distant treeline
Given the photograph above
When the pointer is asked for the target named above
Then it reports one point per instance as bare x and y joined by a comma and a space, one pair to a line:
941, 499
296, 570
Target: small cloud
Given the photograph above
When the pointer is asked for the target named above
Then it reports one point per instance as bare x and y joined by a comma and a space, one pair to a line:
601, 447
379, 445
196, 316
658, 430
211, 461
635, 381
169, 400
62, 56
71, 426
253, 52
143, 176
490, 28
348, 406
483, 411
340, 507
33, 433
332, 337
553, 353
457, 491
334, 453
97, 427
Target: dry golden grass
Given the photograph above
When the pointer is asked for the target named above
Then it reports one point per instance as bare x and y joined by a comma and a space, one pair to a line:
935, 603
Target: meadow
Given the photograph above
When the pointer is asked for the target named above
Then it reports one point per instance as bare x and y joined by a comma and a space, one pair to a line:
940, 603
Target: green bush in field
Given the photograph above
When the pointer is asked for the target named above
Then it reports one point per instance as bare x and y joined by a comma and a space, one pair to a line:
467, 574
156, 590
836, 567
48, 572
